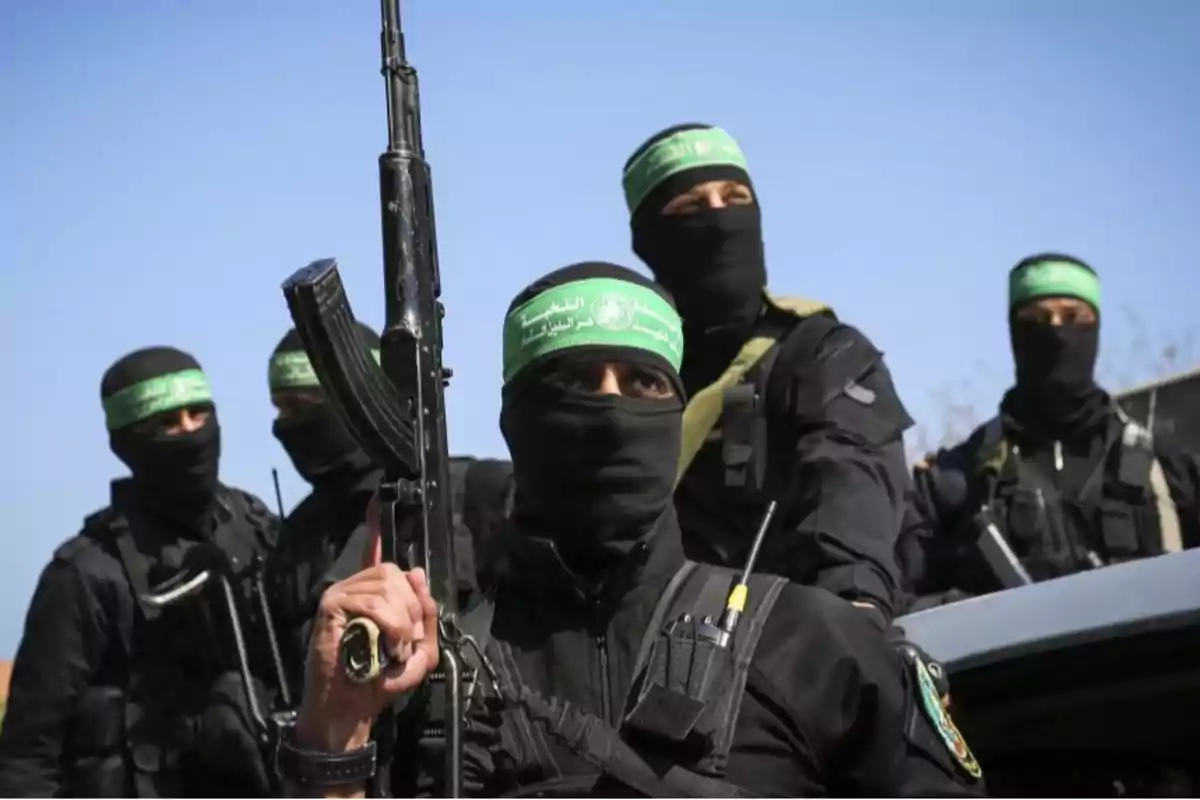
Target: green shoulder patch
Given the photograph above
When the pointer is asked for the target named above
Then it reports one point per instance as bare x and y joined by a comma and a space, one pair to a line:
940, 717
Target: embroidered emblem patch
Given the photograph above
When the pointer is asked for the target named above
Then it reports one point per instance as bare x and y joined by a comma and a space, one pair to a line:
945, 726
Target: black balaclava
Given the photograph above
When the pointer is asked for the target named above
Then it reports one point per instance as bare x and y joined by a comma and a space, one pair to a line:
1056, 391
174, 476
711, 261
592, 473
321, 449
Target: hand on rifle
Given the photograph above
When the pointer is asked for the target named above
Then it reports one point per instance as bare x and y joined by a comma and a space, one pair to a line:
335, 713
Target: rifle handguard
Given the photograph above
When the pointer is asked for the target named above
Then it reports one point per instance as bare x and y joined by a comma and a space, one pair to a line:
363, 650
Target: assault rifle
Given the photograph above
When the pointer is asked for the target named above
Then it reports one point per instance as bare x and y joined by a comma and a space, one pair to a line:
397, 413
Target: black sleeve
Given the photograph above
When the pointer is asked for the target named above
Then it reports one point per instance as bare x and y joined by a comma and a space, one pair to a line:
1182, 472
849, 481
911, 745
858, 704
60, 649
934, 518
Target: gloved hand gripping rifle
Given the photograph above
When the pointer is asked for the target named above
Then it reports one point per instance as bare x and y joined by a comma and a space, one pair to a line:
397, 413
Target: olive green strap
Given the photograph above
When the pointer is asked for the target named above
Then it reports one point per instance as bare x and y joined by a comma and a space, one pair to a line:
797, 306
705, 407
1168, 514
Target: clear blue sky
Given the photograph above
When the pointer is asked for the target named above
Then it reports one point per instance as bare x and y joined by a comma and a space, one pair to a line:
164, 166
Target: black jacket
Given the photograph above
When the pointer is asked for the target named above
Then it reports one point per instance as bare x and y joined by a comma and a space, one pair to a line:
834, 425
1062, 506
88, 655
829, 708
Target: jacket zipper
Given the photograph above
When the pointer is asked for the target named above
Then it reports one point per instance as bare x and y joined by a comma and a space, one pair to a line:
601, 641
605, 699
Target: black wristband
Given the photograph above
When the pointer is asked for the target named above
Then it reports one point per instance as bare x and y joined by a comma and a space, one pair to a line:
311, 768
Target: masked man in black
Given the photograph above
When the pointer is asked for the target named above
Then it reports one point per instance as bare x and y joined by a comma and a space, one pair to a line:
115, 695
342, 477
600, 620
788, 404
1062, 475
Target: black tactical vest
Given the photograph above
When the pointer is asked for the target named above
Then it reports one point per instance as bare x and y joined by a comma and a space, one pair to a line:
1123, 512
680, 716
135, 725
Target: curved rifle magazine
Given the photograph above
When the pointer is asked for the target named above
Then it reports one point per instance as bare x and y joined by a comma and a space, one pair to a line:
369, 405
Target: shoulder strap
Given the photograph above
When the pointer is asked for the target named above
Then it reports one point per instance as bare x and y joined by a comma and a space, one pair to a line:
666, 603
137, 566
598, 743
993, 448
705, 407
1135, 439
111, 525
1168, 514
798, 306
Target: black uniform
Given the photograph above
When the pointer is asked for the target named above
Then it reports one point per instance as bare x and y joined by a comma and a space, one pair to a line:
1063, 505
1064, 477
821, 397
111, 697
593, 583
849, 721
318, 528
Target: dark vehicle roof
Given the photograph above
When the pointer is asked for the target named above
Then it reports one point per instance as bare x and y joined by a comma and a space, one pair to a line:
1137, 597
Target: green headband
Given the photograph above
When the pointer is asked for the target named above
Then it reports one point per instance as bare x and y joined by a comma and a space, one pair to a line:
593, 311
291, 369
164, 393
1053, 279
698, 147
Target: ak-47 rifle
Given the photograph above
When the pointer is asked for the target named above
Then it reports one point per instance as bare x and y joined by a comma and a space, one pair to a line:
396, 413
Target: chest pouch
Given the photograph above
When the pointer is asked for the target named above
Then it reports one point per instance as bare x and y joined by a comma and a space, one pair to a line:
744, 440
1136, 459
687, 669
1026, 519
693, 675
